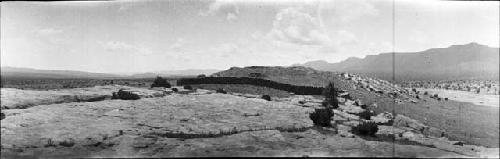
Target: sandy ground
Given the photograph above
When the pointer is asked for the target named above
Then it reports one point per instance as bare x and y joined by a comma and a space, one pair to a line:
462, 96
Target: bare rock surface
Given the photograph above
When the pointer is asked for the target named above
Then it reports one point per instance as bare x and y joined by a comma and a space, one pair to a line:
19, 99
215, 124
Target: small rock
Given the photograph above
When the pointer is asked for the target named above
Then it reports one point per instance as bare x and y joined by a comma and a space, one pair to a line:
460, 143
358, 102
142, 142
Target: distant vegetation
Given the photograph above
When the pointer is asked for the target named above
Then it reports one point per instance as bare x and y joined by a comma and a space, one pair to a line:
160, 82
475, 86
46, 84
201, 76
221, 90
299, 90
125, 95
188, 87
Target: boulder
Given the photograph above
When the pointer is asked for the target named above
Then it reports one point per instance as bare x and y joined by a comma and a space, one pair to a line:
251, 96
381, 119
358, 102
434, 132
411, 136
351, 109
403, 121
345, 95
341, 100
349, 102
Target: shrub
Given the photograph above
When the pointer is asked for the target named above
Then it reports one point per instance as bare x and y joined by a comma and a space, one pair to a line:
330, 94
160, 82
364, 106
67, 143
266, 97
324, 103
322, 117
445, 98
426, 93
366, 128
366, 115
435, 95
201, 76
221, 90
2, 116
188, 87
175, 89
125, 95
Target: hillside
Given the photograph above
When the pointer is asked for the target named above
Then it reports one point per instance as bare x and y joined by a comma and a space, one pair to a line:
469, 61
459, 119
301, 76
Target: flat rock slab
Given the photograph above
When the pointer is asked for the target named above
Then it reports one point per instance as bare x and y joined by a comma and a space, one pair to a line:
177, 126
92, 122
19, 99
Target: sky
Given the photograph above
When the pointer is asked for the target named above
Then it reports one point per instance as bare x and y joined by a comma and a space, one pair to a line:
154, 35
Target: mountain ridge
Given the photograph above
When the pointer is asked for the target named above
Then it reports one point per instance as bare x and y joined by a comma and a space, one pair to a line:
466, 61
23, 72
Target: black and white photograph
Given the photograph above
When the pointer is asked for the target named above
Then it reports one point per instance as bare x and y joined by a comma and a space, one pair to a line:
250, 78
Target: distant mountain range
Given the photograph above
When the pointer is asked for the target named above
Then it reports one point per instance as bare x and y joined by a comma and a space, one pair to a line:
188, 72
56, 74
469, 61
17, 72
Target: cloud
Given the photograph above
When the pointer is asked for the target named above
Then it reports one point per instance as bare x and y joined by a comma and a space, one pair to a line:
346, 37
228, 8
178, 44
379, 47
123, 8
118, 46
224, 50
231, 17
51, 36
345, 11
48, 31
294, 26
419, 37
356, 9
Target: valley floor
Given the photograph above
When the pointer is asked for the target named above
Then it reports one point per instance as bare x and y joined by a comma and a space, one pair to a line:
463, 96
